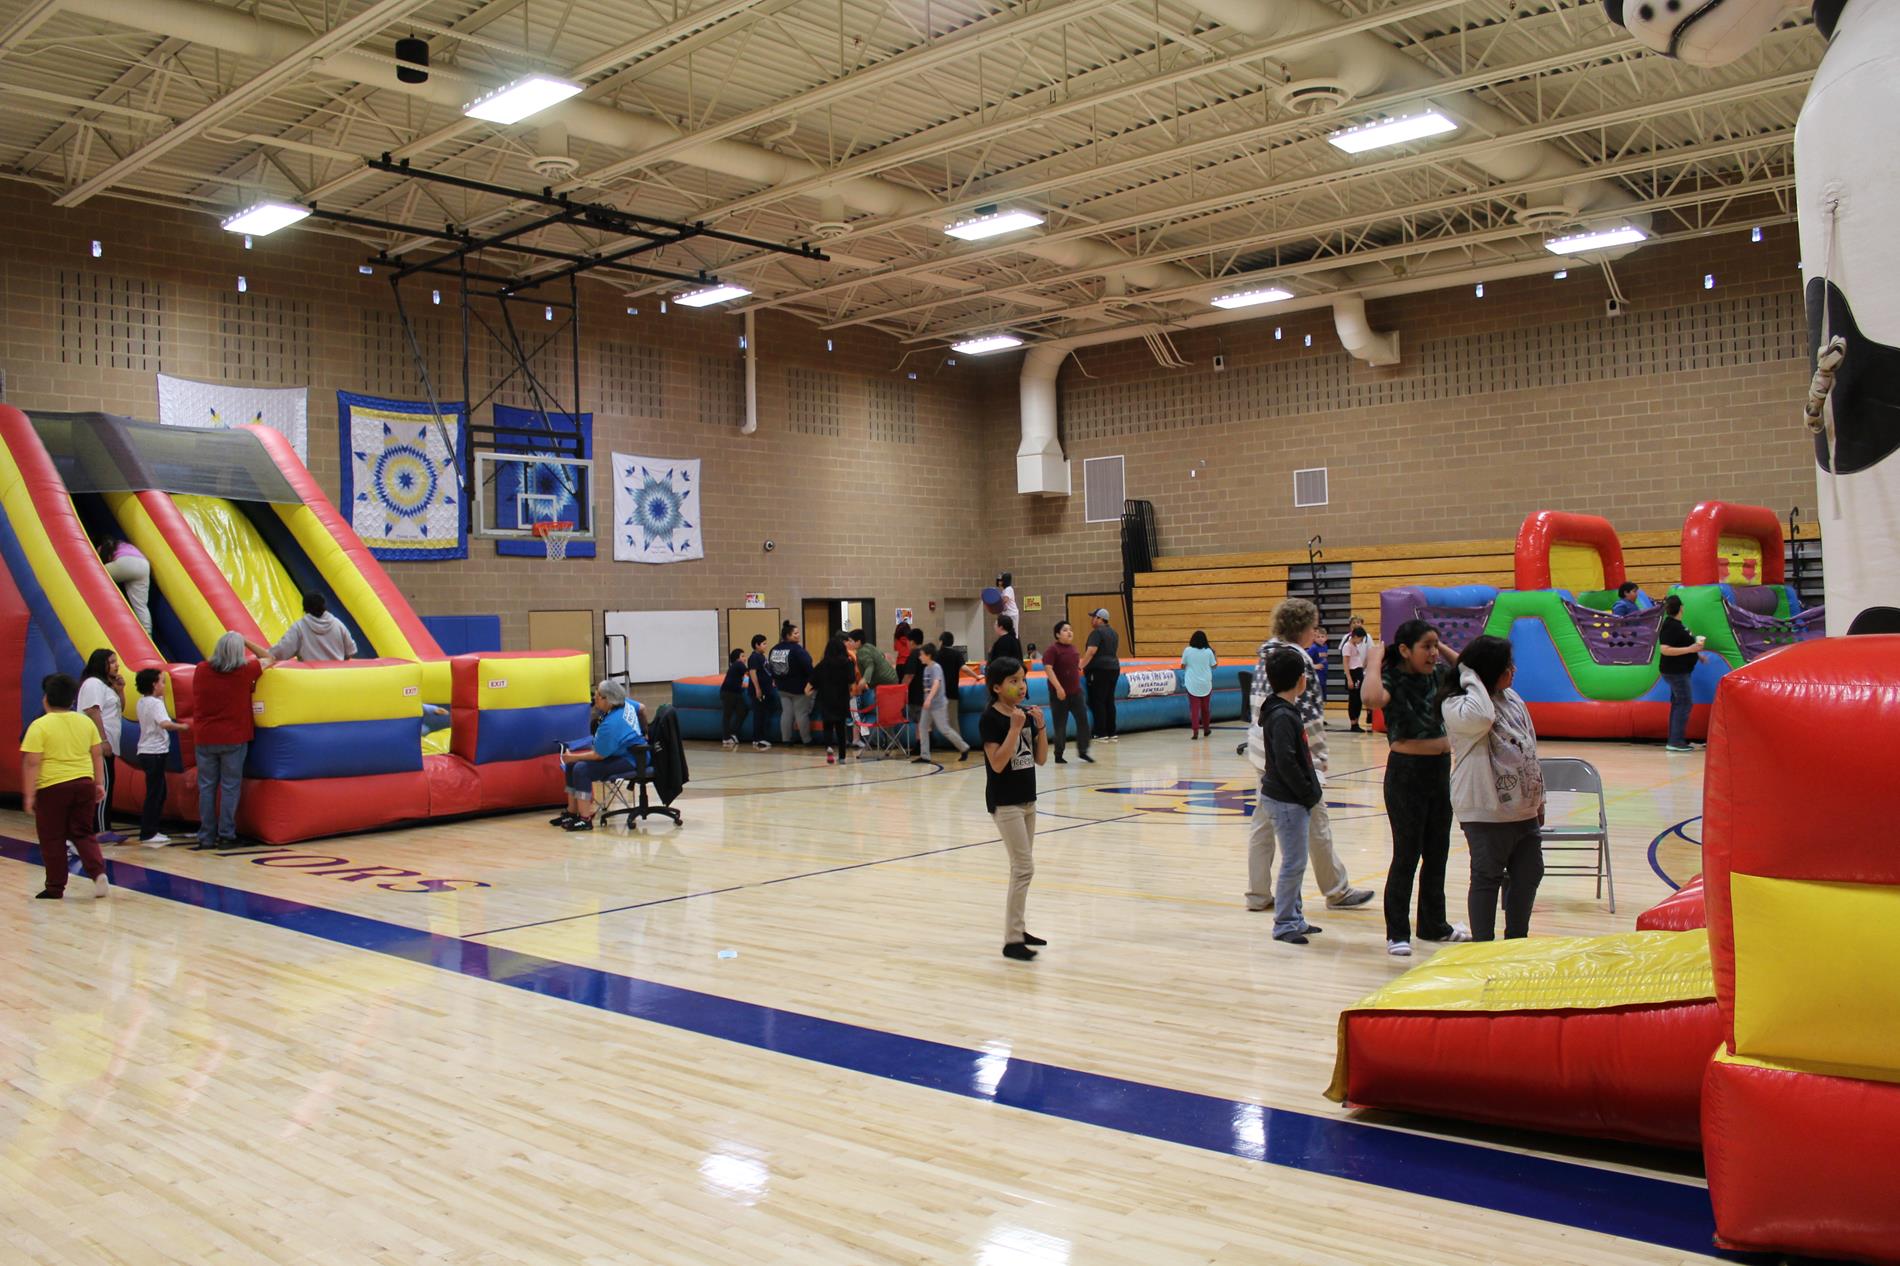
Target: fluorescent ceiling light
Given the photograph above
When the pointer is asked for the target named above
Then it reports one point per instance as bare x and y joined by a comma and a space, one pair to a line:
1412, 127
993, 224
1600, 239
1248, 298
514, 102
711, 294
262, 218
988, 343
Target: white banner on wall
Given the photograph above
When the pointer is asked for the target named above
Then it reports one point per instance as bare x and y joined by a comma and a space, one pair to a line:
656, 510
213, 406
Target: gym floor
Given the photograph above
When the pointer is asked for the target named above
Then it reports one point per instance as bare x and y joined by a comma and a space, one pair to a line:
781, 1033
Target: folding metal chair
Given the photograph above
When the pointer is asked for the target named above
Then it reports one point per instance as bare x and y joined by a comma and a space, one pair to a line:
1565, 776
888, 731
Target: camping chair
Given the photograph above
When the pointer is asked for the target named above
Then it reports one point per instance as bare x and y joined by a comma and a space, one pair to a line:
888, 726
1563, 775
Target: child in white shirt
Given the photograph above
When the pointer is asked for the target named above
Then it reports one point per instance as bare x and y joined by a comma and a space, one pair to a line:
155, 744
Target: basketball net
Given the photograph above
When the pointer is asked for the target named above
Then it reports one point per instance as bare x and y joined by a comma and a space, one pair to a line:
556, 535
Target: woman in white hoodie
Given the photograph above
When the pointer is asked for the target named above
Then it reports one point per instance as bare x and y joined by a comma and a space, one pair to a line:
1497, 787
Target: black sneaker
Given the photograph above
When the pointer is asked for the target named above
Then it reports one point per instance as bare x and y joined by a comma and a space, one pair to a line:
579, 824
1017, 950
228, 842
1062, 760
1033, 940
1084, 756
563, 820
1292, 938
965, 756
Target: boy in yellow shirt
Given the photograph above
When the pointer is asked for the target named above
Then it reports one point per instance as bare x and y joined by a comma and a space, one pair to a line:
62, 769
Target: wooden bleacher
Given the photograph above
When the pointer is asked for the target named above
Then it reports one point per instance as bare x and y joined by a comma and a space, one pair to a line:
1232, 596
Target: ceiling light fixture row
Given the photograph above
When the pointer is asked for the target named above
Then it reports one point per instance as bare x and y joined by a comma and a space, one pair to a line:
513, 102
1596, 240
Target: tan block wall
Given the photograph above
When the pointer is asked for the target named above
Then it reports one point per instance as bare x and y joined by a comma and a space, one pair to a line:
851, 516
1638, 448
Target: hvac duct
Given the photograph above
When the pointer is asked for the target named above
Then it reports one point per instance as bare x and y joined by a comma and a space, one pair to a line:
1041, 468
1357, 335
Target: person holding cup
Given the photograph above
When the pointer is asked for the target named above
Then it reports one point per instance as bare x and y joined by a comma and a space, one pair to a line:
1680, 652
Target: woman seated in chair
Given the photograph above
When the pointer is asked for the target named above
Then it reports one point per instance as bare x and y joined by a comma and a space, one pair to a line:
619, 750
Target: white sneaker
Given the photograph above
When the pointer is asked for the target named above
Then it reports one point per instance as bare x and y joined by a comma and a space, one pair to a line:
760, 745
101, 886
1459, 933
1399, 949
157, 841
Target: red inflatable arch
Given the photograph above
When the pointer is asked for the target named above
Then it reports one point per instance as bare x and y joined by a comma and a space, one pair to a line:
1702, 534
1546, 528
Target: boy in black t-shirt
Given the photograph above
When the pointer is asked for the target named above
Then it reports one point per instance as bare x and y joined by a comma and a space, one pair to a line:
732, 700
1679, 652
1015, 741
762, 691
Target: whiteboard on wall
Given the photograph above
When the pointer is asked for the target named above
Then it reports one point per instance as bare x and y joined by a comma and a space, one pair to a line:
663, 645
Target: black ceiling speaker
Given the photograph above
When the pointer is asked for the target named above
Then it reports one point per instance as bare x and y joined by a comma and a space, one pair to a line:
413, 53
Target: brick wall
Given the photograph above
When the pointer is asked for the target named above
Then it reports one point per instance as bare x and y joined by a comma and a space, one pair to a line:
1529, 398
887, 508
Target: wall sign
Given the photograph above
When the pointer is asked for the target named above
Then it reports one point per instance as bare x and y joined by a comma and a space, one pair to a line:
755, 602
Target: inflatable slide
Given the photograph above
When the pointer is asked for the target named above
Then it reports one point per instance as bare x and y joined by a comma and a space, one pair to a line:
236, 531
1587, 672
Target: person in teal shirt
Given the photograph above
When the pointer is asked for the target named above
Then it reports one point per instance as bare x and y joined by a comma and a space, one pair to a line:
619, 748
1197, 662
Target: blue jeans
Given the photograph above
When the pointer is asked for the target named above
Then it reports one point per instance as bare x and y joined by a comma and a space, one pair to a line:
1678, 710
1289, 829
220, 782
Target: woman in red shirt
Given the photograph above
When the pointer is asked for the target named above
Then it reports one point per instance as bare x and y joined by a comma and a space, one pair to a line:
221, 689
1063, 664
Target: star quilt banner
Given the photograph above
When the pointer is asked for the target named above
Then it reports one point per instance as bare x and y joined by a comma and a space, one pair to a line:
214, 406
656, 510
400, 476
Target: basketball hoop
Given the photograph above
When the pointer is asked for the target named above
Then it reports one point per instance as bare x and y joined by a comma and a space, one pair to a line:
556, 534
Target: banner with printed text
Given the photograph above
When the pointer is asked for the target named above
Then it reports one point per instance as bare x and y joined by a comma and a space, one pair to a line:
216, 406
656, 510
401, 476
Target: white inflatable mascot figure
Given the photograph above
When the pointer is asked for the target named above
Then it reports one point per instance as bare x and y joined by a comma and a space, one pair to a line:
1848, 196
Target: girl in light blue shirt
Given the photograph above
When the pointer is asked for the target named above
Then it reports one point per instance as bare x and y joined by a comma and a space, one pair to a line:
1197, 662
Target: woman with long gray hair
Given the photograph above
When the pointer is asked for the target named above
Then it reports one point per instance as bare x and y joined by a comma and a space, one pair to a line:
221, 689
619, 747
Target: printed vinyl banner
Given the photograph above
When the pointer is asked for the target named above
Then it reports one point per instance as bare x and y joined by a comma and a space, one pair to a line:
400, 476
656, 510
214, 407
1146, 682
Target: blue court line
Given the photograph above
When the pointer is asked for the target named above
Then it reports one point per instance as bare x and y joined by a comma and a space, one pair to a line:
1664, 834
1675, 1215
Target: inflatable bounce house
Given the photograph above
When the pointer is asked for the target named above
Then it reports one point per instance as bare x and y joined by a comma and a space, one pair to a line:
236, 530
1589, 673
1770, 1040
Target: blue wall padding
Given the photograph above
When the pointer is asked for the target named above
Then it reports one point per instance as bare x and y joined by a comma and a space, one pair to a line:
699, 709
336, 749
464, 634
519, 733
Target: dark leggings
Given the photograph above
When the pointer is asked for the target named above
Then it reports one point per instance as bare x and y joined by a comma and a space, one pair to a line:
1506, 857
732, 710
765, 718
1418, 804
838, 729
1355, 678
152, 765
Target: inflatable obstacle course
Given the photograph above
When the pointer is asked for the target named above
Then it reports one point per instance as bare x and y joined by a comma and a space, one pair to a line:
1589, 673
236, 531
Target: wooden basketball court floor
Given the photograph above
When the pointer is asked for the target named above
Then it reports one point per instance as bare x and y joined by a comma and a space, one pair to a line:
781, 1034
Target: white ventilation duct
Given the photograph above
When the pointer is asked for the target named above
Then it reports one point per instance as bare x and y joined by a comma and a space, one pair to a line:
1357, 334
1041, 468
235, 32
